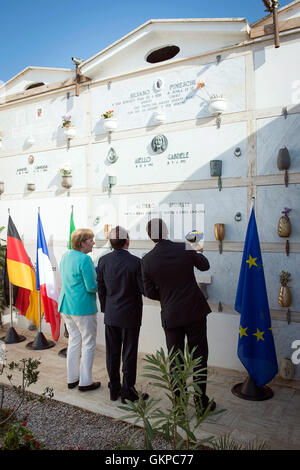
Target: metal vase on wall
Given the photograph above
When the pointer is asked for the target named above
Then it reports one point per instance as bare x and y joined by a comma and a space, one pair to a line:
216, 170
284, 227
284, 163
220, 234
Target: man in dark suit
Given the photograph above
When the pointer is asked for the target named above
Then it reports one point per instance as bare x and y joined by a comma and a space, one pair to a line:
168, 276
120, 292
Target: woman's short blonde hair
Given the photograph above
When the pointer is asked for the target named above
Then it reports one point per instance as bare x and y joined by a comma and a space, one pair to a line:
79, 236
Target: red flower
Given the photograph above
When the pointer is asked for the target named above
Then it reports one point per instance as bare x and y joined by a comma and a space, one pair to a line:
200, 84
24, 423
27, 437
36, 444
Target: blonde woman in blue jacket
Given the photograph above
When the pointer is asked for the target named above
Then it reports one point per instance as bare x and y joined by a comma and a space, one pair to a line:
77, 304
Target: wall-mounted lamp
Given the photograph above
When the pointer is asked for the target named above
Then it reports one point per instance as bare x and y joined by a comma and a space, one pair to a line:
238, 217
216, 170
112, 181
219, 234
237, 152
284, 163
1, 187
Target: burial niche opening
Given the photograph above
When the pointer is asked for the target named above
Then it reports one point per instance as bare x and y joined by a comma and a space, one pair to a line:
163, 53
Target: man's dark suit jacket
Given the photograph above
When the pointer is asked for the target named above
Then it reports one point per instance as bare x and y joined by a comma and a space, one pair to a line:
120, 289
168, 276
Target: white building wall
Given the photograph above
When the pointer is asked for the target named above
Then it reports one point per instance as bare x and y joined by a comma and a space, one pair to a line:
254, 80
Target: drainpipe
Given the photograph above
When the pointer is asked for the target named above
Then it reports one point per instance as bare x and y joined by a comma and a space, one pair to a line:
275, 22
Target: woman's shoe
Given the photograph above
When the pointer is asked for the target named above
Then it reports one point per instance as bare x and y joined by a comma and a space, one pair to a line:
86, 388
73, 384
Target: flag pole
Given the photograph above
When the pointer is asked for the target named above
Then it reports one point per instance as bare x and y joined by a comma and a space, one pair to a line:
40, 341
12, 336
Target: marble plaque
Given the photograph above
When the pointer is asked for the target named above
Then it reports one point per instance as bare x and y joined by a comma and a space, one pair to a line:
182, 211
186, 158
135, 100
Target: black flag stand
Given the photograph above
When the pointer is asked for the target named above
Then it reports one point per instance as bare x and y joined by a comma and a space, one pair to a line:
40, 341
248, 390
12, 336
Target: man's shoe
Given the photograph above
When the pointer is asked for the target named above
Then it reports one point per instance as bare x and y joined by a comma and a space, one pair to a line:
86, 388
73, 384
133, 396
115, 395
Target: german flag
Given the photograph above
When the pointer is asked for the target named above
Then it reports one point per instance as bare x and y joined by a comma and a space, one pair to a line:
19, 267
21, 273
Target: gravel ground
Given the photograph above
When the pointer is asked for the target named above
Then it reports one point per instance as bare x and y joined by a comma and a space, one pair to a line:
60, 426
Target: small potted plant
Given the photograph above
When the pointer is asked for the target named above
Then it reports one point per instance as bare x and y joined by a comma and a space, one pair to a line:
110, 123
285, 296
66, 174
69, 129
217, 103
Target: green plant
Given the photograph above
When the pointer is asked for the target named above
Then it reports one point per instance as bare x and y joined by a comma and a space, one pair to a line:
108, 114
285, 278
141, 411
66, 120
227, 443
19, 437
65, 171
179, 375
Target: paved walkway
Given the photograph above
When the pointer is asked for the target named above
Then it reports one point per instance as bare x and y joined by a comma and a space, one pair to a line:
275, 421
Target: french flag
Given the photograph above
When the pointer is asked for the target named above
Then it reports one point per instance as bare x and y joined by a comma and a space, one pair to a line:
45, 282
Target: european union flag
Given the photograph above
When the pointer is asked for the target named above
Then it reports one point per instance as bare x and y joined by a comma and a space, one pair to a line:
256, 349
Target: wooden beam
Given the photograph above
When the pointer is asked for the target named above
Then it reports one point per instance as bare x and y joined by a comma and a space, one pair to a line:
45, 89
266, 29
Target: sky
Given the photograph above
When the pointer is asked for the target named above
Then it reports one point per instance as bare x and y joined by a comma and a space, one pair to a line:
48, 34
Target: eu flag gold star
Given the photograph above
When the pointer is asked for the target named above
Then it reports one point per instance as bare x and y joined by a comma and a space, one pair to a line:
242, 331
251, 261
259, 335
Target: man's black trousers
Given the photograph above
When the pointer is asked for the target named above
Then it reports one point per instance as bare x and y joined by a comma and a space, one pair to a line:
121, 341
196, 334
